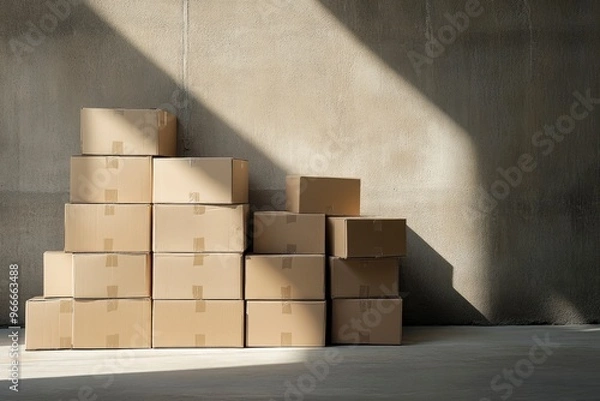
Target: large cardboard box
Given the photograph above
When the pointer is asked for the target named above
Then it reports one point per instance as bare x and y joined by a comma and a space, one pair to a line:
366, 321
111, 275
48, 323
112, 323
128, 132
331, 196
198, 276
285, 277
213, 180
364, 277
200, 228
285, 232
354, 237
58, 274
198, 323
107, 228
285, 323
111, 179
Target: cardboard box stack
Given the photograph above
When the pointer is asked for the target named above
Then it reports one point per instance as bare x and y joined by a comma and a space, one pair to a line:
199, 237
97, 292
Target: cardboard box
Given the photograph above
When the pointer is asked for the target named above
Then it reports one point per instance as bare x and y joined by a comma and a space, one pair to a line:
111, 323
128, 132
198, 276
364, 277
285, 323
48, 323
58, 274
111, 275
198, 323
200, 228
366, 321
355, 237
331, 196
215, 180
285, 277
107, 228
285, 232
111, 179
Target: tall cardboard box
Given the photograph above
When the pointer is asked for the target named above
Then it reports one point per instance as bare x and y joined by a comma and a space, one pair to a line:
331, 196
285, 323
129, 132
107, 228
364, 277
111, 275
200, 228
198, 323
198, 276
285, 277
111, 179
111, 323
48, 323
208, 180
285, 232
354, 237
366, 321
58, 274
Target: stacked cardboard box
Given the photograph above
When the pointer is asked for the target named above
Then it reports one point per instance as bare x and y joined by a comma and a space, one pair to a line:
285, 281
96, 292
199, 236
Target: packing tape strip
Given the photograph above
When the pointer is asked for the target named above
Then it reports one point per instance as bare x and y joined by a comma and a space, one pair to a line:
286, 292
111, 195
194, 197
365, 305
286, 339
199, 209
286, 262
112, 162
108, 244
66, 342
197, 292
286, 308
109, 210
377, 225
290, 218
378, 251
364, 337
112, 291
162, 118
364, 291
117, 148
112, 305
198, 260
66, 306
112, 260
120, 112
112, 341
198, 244
200, 340
200, 306
290, 248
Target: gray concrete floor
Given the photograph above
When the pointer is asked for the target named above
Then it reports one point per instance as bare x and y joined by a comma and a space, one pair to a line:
436, 363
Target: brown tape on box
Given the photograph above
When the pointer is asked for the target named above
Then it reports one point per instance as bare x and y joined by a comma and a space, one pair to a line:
112, 162
364, 291
286, 292
66, 342
290, 248
365, 305
200, 306
198, 209
377, 226
378, 251
112, 261
198, 260
112, 341
112, 291
194, 197
111, 195
286, 339
200, 340
109, 210
66, 307
117, 148
162, 119
197, 291
290, 218
198, 244
108, 244
286, 308
286, 262
364, 337
112, 305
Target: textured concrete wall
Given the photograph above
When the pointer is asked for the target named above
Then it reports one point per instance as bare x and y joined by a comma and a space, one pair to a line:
429, 102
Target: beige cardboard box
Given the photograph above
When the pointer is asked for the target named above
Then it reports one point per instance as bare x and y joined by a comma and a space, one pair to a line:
285, 323
331, 196
58, 274
112, 323
48, 323
198, 323
128, 132
354, 237
285, 232
208, 180
366, 321
198, 276
107, 228
200, 228
285, 277
111, 179
364, 277
111, 275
